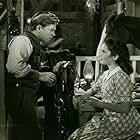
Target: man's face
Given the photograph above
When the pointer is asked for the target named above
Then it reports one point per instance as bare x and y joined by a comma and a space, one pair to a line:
47, 33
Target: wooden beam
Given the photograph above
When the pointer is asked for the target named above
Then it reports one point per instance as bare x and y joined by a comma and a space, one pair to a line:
75, 16
107, 2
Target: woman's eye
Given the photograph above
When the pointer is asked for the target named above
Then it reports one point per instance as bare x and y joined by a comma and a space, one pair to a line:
103, 51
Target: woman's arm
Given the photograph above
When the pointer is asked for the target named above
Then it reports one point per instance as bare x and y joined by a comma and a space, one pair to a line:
122, 107
123, 90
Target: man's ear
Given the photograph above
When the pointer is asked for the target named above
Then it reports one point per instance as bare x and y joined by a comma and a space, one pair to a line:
38, 27
116, 57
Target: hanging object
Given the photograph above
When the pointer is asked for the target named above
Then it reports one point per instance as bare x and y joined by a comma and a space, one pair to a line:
14, 27
88, 71
93, 6
124, 28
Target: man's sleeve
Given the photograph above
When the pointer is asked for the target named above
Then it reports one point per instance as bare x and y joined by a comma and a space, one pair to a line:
19, 52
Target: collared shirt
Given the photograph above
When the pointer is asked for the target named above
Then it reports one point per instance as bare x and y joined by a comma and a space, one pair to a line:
108, 74
19, 49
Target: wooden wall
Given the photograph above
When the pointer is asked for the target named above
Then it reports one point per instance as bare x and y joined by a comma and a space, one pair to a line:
2, 93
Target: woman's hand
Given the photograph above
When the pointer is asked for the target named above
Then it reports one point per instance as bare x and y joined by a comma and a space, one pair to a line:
79, 92
95, 87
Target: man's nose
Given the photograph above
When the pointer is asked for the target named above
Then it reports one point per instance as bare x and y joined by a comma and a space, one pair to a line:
53, 34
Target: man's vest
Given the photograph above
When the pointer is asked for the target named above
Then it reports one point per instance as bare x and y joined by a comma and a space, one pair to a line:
35, 57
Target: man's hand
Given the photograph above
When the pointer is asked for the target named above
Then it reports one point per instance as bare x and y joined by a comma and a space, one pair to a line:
48, 77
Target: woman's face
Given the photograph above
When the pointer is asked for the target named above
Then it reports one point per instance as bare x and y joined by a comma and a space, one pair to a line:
105, 55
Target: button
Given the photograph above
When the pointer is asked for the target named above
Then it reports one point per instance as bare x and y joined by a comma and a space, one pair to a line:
17, 84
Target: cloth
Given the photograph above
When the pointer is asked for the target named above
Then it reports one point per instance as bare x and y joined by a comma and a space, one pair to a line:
115, 87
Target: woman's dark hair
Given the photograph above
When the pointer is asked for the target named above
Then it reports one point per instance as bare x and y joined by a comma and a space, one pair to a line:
43, 18
120, 48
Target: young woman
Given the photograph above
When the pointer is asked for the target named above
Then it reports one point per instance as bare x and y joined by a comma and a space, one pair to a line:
120, 120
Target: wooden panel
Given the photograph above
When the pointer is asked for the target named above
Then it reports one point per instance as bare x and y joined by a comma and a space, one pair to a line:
75, 16
2, 92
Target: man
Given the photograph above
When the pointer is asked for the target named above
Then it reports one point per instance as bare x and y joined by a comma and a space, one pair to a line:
23, 76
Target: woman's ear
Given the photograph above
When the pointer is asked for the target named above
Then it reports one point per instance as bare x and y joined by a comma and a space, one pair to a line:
116, 57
